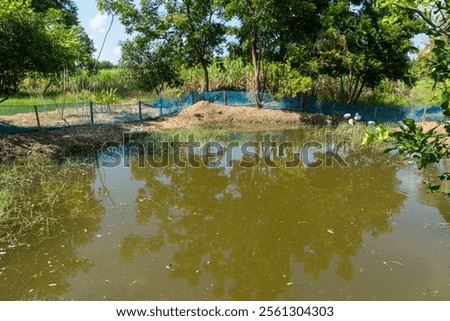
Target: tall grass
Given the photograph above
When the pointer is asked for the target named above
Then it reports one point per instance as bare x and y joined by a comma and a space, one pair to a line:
226, 74
77, 88
37, 194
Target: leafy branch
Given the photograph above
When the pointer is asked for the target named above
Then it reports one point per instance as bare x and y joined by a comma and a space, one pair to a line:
426, 147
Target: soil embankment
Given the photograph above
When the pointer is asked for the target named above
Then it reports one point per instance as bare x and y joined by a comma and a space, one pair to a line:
78, 140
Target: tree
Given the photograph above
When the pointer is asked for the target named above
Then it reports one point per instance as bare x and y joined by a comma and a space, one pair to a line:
149, 66
67, 7
255, 18
427, 147
32, 42
360, 49
193, 28
266, 29
295, 76
69, 16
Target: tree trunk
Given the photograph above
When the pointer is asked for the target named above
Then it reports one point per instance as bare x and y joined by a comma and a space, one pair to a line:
363, 84
341, 89
205, 73
159, 91
354, 91
47, 87
256, 66
204, 64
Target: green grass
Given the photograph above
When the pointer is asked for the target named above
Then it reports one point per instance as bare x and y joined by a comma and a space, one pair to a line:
25, 104
80, 88
423, 92
37, 193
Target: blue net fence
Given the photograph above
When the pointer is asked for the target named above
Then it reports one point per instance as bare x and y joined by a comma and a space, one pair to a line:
64, 115
15, 119
382, 114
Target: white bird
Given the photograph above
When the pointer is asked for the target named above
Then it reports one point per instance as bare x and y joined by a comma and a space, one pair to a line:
370, 123
347, 116
357, 117
351, 122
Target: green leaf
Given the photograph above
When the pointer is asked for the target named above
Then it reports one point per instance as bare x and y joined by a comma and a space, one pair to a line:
439, 43
431, 187
409, 122
445, 177
380, 134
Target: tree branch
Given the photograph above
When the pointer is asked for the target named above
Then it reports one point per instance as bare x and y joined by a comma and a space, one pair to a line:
424, 17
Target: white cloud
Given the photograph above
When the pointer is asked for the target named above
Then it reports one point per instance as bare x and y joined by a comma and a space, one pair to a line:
118, 51
97, 23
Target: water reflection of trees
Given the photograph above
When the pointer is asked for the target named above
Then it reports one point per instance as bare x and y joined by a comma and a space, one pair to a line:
246, 227
40, 271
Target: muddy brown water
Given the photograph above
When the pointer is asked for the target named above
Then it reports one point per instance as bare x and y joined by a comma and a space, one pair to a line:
368, 231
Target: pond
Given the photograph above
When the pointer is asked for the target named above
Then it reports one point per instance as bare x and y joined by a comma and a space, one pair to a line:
360, 227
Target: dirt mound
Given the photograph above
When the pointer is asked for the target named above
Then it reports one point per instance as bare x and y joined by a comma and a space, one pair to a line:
207, 113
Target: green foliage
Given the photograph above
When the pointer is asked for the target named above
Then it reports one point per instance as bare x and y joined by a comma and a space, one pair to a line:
379, 134
294, 83
149, 66
288, 81
427, 147
67, 7
357, 47
105, 65
266, 30
33, 42
106, 96
69, 13
36, 191
191, 28
390, 92
225, 74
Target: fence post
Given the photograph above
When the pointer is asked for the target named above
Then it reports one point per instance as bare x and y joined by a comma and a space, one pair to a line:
140, 110
424, 117
91, 109
225, 97
37, 116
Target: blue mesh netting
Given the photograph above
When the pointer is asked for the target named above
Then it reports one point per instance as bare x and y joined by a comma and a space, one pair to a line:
80, 113
381, 114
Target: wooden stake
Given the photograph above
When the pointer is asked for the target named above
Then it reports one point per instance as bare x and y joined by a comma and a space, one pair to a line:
37, 116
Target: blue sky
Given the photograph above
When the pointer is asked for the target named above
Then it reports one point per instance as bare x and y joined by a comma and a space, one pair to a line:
96, 26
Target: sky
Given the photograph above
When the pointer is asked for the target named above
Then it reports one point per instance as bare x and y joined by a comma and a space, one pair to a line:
96, 25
